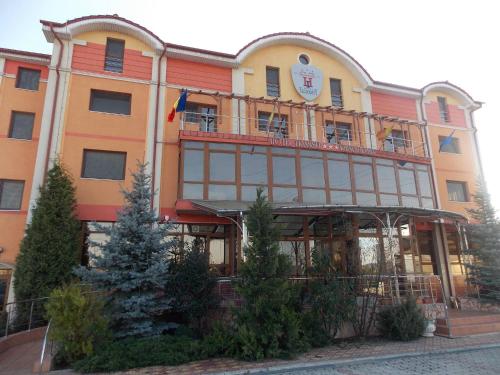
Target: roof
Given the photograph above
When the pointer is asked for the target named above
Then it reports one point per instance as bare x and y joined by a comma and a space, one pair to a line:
231, 208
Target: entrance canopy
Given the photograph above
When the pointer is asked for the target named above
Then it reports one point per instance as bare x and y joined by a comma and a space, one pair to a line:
232, 208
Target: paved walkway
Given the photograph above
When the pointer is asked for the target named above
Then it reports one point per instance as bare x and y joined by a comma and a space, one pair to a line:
346, 352
19, 360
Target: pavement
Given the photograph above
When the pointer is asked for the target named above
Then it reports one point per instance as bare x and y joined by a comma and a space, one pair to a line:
19, 360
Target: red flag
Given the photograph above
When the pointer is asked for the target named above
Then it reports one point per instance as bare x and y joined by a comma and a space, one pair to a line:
171, 115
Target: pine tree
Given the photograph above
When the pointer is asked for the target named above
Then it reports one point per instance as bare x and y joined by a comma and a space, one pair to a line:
267, 325
483, 213
52, 244
132, 266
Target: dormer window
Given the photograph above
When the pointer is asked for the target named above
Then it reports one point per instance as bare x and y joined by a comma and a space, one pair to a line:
444, 115
113, 61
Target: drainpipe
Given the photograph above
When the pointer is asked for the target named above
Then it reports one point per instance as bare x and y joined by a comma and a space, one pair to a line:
153, 162
56, 92
476, 144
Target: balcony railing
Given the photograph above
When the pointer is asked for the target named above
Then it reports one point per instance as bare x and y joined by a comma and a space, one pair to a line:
314, 131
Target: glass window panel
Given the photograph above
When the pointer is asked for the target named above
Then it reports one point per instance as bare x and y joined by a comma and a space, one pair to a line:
385, 161
114, 55
221, 146
11, 194
21, 125
340, 197
192, 191
254, 168
427, 203
366, 199
424, 184
312, 172
284, 171
222, 167
110, 102
457, 191
285, 195
389, 200
222, 192
283, 150
363, 177
313, 196
363, 159
369, 254
421, 167
198, 145
336, 155
336, 92
273, 81
193, 165
407, 182
314, 154
249, 193
28, 79
104, 165
339, 175
247, 148
386, 179
217, 251
410, 201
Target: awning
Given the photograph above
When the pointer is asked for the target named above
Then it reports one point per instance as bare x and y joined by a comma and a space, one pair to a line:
233, 208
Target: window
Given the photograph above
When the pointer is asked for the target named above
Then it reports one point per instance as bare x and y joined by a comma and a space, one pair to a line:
193, 165
444, 115
113, 61
399, 139
407, 182
363, 176
107, 165
28, 79
341, 132
304, 59
386, 179
222, 166
336, 92
457, 191
283, 171
273, 81
110, 102
201, 114
451, 147
11, 194
278, 124
253, 168
21, 125
339, 174
312, 172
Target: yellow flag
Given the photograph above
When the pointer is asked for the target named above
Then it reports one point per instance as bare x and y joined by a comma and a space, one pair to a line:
384, 133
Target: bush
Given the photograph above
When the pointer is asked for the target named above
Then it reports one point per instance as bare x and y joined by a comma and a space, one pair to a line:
77, 321
401, 322
219, 343
142, 352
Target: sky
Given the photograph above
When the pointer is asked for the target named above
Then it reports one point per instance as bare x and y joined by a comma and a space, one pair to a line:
410, 43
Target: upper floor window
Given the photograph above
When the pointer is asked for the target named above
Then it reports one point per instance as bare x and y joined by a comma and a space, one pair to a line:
341, 132
336, 92
202, 114
109, 165
451, 147
273, 81
11, 194
21, 125
113, 61
457, 191
444, 115
28, 79
110, 102
399, 139
277, 125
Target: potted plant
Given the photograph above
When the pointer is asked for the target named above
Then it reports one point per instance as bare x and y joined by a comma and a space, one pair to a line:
430, 322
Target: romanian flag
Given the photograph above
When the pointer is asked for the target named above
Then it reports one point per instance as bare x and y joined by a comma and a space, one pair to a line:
447, 141
384, 133
270, 119
179, 105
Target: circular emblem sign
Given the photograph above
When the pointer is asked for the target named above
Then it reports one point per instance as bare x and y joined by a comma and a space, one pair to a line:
308, 81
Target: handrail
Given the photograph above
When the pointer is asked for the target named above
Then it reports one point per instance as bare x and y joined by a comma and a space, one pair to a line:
44, 345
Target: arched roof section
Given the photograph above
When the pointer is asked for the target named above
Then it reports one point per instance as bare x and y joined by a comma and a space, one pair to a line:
310, 41
113, 23
452, 90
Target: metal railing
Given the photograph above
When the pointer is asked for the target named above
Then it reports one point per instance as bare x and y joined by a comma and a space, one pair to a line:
22, 316
301, 131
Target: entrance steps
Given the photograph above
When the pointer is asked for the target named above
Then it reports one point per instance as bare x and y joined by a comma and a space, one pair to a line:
465, 323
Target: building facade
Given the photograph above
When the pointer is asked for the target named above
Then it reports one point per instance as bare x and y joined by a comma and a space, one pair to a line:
348, 162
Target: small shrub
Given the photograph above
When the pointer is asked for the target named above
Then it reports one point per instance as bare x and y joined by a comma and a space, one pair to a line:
77, 321
401, 322
219, 343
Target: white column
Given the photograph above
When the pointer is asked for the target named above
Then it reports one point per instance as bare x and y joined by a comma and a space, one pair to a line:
150, 141
2, 67
312, 116
366, 105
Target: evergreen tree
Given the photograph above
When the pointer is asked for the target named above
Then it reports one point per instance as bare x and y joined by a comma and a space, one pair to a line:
483, 213
132, 266
266, 324
52, 244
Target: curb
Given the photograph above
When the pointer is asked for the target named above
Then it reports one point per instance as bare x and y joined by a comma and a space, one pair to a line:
346, 362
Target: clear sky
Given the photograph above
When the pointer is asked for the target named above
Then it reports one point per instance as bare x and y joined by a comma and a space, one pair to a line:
405, 42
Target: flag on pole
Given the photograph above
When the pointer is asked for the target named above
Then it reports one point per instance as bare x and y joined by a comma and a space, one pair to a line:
447, 141
384, 133
179, 105
270, 119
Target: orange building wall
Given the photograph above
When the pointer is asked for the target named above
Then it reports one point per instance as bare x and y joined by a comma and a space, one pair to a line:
456, 114
393, 105
17, 157
194, 74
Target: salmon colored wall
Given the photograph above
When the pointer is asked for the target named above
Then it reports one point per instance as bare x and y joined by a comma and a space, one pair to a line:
99, 37
84, 129
12, 66
393, 105
90, 58
198, 75
283, 57
456, 114
17, 157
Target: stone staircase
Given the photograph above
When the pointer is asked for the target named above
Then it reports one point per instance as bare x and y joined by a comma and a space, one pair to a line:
465, 323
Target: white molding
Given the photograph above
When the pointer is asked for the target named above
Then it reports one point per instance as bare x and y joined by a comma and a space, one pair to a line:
312, 124
238, 85
79, 42
2, 67
24, 58
150, 141
206, 91
105, 76
366, 105
159, 146
198, 56
395, 90
451, 90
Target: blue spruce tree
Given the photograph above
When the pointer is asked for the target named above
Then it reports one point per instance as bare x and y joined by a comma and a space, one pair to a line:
132, 267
